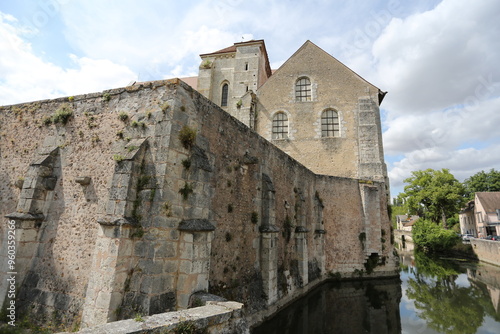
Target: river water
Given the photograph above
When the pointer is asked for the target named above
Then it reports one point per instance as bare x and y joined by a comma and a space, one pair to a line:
433, 295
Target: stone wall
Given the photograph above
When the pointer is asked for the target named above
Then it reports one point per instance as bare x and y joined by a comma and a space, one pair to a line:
147, 194
487, 250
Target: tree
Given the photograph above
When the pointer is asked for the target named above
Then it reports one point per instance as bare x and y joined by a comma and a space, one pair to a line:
433, 238
433, 194
482, 181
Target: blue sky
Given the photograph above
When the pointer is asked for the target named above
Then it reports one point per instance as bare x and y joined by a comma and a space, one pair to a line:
438, 60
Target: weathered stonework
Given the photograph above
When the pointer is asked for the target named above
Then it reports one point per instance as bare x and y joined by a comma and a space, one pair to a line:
151, 193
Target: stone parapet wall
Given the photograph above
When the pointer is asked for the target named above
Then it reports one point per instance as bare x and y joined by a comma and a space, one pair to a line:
486, 250
214, 318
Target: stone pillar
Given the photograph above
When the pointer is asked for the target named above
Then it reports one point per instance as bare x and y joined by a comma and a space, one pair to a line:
269, 262
319, 244
372, 219
23, 248
195, 244
32, 207
110, 266
302, 254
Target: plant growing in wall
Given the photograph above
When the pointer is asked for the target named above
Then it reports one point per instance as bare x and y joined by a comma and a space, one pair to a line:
118, 158
186, 163
164, 107
62, 115
106, 97
206, 64
187, 136
186, 190
254, 218
239, 104
123, 116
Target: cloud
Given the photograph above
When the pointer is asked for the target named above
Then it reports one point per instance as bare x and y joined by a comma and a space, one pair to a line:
442, 110
436, 59
26, 77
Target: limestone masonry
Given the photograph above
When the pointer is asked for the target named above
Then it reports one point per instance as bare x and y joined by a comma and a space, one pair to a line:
255, 187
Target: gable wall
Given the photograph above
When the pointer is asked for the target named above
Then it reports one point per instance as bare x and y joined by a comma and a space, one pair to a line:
333, 86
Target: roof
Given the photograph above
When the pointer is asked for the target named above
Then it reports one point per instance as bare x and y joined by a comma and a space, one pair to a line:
191, 81
489, 200
233, 48
229, 49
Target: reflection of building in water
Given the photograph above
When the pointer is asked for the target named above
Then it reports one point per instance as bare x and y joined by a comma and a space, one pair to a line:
349, 307
487, 278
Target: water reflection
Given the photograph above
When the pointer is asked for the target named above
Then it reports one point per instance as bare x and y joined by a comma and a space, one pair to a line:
434, 296
448, 296
347, 307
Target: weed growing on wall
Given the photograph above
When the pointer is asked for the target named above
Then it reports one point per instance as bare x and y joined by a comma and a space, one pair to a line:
61, 115
187, 136
254, 217
186, 190
123, 116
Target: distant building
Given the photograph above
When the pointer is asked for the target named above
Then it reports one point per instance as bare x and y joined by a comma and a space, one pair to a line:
481, 217
405, 223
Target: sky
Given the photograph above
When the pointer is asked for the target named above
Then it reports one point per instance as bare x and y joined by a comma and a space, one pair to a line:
438, 60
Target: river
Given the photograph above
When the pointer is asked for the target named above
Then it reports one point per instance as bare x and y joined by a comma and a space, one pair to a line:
433, 295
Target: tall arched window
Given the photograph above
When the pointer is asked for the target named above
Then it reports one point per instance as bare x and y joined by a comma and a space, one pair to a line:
280, 126
225, 91
330, 124
303, 90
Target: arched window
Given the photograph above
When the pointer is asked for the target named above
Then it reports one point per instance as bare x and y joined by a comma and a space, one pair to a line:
280, 126
225, 91
303, 90
330, 124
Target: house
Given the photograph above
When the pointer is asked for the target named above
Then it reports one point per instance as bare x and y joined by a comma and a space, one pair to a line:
481, 217
466, 219
405, 223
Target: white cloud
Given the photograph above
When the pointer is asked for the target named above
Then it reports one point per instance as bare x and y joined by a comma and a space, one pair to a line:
26, 77
440, 68
435, 59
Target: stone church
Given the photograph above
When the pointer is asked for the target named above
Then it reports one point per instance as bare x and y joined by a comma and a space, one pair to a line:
313, 107
247, 183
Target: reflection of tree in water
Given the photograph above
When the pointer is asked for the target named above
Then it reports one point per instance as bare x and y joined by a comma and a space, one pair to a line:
445, 306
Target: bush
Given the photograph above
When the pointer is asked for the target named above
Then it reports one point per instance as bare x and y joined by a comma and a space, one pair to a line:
431, 237
187, 136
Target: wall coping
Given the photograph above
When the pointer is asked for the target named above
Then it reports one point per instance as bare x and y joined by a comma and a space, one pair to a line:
212, 314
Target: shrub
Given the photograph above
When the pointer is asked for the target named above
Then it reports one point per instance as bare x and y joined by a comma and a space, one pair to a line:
123, 116
187, 136
62, 115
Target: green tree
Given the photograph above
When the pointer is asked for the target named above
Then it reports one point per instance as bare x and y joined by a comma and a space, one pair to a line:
482, 181
433, 194
433, 238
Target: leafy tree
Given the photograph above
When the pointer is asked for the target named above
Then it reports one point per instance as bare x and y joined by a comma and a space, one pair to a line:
482, 181
433, 238
433, 194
